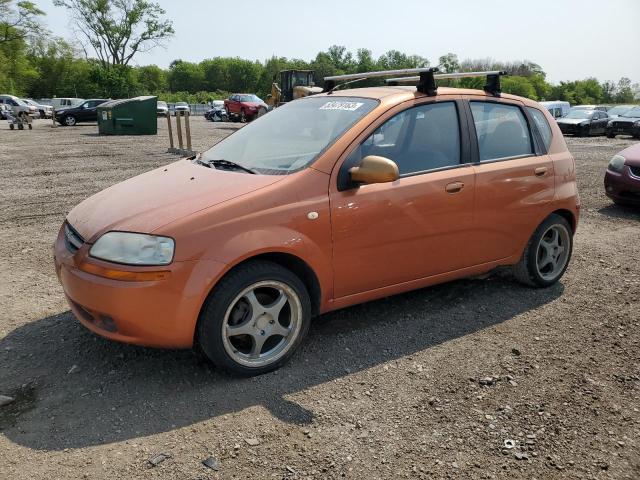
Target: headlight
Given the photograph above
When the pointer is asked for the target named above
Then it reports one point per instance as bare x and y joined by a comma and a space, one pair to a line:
636, 123
617, 163
133, 248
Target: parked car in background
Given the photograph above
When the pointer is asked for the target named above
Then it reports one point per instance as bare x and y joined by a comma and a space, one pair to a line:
558, 108
85, 112
162, 109
618, 110
293, 215
181, 107
243, 107
622, 179
582, 122
17, 107
626, 124
217, 112
63, 102
602, 108
45, 111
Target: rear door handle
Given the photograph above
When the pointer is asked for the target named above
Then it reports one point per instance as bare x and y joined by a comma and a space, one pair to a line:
454, 187
540, 171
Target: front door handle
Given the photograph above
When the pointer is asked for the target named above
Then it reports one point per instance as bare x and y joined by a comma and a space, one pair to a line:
540, 171
454, 187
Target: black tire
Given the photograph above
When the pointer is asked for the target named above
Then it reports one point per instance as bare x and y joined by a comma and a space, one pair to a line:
220, 303
611, 135
526, 271
243, 117
69, 121
261, 111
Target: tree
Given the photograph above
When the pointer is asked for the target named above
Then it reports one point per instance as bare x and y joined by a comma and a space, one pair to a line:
118, 29
625, 93
185, 76
449, 63
19, 22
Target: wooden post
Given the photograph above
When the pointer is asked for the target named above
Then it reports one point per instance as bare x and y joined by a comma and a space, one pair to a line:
179, 128
187, 129
53, 117
170, 130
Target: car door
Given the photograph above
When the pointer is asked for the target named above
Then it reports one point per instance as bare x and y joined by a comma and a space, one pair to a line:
418, 226
233, 105
604, 119
514, 178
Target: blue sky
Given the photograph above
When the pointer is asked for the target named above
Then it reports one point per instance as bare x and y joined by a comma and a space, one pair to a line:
570, 39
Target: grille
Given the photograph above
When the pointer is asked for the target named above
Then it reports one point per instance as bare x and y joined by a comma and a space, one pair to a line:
72, 239
635, 171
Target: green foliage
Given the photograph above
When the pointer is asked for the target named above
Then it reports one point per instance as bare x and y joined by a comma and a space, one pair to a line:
117, 30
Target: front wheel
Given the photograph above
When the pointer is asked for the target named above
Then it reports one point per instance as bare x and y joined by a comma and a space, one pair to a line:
254, 319
69, 121
611, 135
547, 254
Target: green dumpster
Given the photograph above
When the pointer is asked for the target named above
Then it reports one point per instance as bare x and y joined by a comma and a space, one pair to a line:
131, 116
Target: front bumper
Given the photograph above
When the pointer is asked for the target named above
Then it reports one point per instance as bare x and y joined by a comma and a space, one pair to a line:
623, 187
623, 129
572, 129
159, 313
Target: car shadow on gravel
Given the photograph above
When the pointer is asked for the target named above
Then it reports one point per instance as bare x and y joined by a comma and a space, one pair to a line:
626, 212
74, 389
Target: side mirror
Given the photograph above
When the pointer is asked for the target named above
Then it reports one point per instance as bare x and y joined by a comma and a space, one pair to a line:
374, 169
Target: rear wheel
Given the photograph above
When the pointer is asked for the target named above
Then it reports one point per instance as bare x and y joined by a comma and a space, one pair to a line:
611, 135
547, 254
254, 319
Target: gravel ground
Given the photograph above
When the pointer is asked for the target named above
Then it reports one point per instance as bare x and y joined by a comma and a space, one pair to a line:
429, 384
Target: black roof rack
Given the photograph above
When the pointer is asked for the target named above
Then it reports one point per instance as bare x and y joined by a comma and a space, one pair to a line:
425, 73
492, 85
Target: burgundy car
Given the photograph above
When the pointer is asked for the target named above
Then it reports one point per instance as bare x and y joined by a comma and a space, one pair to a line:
244, 106
622, 180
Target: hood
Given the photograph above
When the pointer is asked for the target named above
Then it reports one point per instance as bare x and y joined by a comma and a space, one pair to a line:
572, 121
156, 198
632, 155
254, 104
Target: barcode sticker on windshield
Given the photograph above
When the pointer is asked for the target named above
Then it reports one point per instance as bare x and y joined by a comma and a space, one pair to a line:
349, 106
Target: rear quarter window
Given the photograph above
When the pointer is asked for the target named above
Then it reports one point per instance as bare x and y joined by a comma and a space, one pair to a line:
543, 125
502, 130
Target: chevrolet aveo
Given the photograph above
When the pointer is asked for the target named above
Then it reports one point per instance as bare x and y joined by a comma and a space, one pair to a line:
328, 201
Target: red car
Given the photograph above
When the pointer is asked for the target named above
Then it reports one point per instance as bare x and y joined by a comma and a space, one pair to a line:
622, 180
244, 107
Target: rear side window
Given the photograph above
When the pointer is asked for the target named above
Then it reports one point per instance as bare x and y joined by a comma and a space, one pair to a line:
543, 126
502, 131
421, 138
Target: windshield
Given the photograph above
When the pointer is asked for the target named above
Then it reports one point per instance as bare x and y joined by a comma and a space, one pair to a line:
632, 113
292, 136
181, 104
579, 113
620, 109
162, 104
249, 98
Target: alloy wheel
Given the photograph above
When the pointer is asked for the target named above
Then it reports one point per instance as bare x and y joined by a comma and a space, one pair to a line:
262, 323
553, 252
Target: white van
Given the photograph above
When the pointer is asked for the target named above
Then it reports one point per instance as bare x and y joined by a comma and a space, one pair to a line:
557, 108
62, 102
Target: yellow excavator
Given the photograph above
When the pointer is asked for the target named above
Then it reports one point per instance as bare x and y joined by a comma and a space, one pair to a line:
293, 84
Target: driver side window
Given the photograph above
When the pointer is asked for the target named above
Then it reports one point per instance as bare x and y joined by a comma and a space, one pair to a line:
421, 138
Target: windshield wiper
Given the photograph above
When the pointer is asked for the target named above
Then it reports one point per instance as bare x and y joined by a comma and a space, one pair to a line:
226, 164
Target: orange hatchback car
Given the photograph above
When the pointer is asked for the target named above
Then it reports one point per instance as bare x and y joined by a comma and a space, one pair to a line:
328, 201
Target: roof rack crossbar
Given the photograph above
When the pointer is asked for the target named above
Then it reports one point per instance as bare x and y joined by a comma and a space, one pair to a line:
492, 86
331, 81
